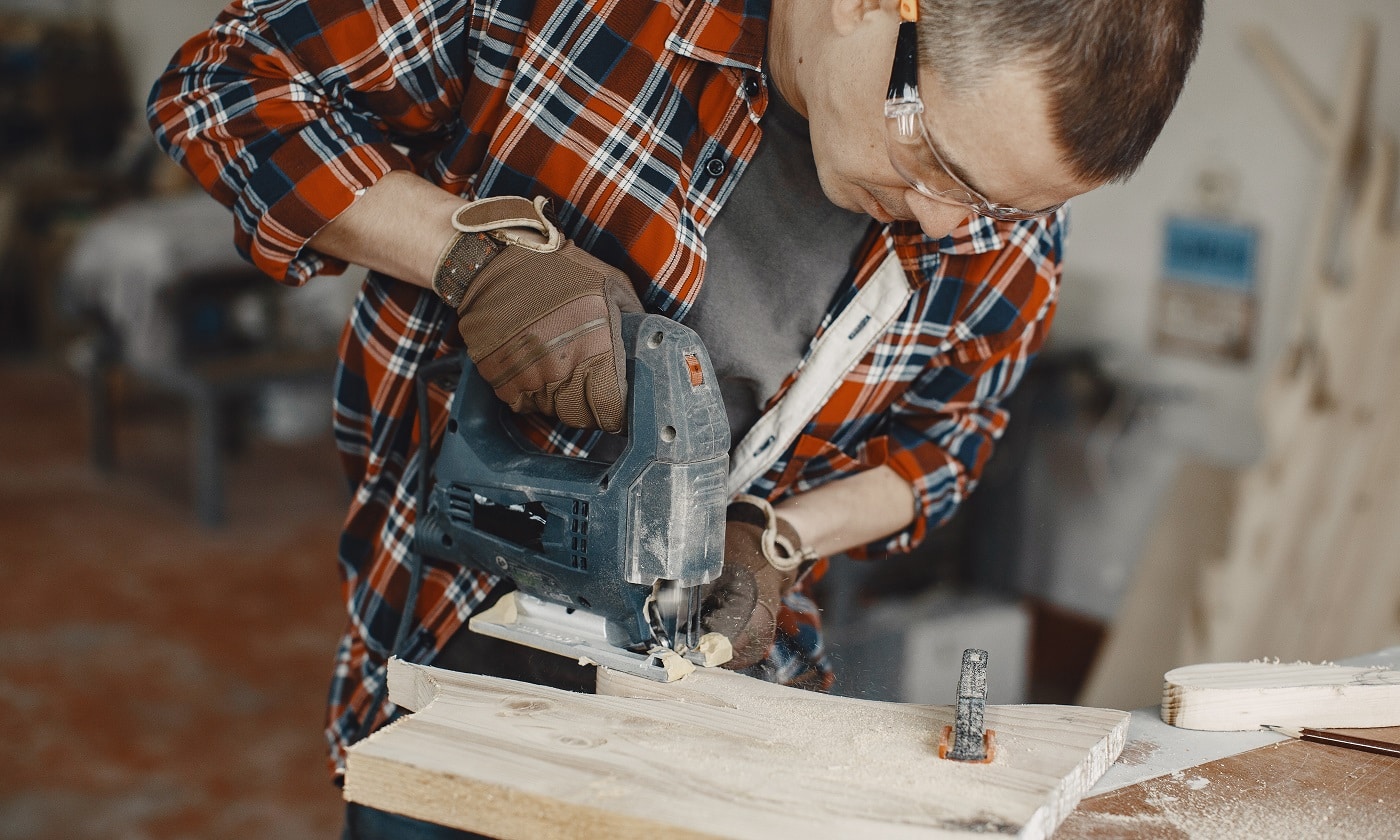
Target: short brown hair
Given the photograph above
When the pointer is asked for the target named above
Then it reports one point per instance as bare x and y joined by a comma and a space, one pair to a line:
1112, 69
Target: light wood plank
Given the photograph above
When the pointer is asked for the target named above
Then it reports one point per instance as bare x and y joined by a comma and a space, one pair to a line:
1236, 696
715, 755
1316, 118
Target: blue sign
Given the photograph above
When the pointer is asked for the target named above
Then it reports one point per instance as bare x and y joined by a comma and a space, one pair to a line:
1211, 252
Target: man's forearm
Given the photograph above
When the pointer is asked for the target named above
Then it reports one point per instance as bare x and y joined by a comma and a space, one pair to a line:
851, 512
399, 226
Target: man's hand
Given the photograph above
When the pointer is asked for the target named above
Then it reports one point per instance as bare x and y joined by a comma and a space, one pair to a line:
540, 316
762, 561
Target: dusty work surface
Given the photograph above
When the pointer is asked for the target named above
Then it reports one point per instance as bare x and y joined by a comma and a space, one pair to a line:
1173, 783
157, 679
1289, 789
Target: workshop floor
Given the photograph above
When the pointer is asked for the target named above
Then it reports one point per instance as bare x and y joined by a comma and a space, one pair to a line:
159, 679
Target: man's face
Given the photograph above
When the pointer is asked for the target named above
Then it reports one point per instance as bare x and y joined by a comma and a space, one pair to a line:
996, 138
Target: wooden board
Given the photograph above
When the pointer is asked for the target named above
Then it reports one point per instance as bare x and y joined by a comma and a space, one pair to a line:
1156, 748
715, 755
1226, 696
1289, 789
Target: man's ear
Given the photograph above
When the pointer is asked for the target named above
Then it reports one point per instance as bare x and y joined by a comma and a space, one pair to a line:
847, 15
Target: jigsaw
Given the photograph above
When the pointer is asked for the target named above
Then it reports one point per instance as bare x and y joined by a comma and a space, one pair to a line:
608, 557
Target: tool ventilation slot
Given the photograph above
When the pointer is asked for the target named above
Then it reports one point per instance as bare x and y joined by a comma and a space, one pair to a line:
578, 535
521, 524
461, 507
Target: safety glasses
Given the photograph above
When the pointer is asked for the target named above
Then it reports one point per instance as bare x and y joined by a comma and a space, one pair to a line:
911, 150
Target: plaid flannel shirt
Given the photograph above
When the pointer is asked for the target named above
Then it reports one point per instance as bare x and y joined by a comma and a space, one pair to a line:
635, 118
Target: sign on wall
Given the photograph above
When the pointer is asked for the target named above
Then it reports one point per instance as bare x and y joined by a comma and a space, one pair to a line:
1206, 300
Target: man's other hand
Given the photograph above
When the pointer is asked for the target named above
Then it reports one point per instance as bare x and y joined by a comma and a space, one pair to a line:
540, 316
762, 561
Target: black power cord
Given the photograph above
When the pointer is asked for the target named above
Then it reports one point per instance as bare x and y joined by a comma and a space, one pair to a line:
434, 371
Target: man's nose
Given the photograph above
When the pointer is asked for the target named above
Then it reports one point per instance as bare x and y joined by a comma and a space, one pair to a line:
936, 218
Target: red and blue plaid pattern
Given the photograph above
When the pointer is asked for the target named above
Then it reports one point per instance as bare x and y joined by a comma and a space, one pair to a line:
632, 117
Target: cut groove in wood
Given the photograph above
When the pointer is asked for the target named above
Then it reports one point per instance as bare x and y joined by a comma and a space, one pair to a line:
1234, 696
714, 755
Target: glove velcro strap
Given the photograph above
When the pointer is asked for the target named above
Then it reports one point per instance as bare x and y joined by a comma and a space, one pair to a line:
783, 552
498, 212
487, 227
505, 217
464, 258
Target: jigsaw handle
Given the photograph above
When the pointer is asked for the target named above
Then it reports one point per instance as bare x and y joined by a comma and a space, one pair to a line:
674, 411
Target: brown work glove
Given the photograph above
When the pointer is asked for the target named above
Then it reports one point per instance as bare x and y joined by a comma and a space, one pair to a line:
763, 558
540, 316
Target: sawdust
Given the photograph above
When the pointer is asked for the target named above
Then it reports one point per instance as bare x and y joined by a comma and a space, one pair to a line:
1197, 805
1137, 753
716, 648
1193, 782
676, 665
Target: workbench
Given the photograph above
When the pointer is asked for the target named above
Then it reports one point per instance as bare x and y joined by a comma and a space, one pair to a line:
1179, 783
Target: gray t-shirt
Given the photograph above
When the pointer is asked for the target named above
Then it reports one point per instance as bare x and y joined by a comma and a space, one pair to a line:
777, 253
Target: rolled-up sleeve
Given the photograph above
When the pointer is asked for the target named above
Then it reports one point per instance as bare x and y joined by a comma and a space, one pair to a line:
940, 431
285, 111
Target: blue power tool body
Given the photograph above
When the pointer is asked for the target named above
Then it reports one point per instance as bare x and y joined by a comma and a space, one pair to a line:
608, 557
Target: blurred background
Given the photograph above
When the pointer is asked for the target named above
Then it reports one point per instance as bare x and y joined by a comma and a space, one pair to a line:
1199, 467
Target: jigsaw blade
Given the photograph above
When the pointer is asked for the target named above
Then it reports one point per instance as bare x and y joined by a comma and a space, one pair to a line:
676, 621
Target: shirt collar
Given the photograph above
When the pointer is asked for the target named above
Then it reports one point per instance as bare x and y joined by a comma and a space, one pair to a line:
977, 235
731, 33
921, 256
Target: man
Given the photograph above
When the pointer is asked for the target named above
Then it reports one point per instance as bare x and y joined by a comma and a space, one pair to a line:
870, 286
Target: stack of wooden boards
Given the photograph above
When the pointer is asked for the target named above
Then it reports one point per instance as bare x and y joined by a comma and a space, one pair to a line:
713, 755
1306, 544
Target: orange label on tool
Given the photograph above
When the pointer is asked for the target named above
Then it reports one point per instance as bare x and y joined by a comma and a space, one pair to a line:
908, 9
697, 373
